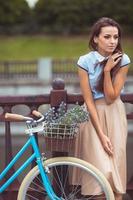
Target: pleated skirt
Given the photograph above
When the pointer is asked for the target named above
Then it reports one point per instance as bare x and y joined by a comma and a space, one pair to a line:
89, 148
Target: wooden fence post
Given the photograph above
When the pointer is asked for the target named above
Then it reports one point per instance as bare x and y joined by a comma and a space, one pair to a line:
58, 94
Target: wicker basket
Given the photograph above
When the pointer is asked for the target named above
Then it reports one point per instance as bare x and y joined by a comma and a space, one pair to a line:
56, 130
60, 137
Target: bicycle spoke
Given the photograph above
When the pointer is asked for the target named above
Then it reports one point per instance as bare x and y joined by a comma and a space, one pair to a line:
70, 181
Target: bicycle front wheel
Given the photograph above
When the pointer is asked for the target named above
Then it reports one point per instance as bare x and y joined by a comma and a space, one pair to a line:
70, 178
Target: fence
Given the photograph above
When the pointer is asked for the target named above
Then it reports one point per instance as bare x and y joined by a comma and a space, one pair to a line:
41, 71
45, 69
18, 69
54, 98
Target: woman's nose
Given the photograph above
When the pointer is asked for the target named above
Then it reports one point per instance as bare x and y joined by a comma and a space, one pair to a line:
112, 40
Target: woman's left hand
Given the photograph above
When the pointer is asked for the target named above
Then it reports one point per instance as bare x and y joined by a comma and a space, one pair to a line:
112, 61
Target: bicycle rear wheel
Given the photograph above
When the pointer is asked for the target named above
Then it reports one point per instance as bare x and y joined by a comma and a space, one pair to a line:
61, 176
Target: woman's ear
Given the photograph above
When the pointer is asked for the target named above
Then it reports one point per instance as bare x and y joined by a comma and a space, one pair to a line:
95, 40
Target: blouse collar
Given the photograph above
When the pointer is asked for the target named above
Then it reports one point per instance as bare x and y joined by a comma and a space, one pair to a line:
99, 57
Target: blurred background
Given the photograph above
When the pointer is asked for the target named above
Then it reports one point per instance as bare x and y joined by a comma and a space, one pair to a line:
42, 39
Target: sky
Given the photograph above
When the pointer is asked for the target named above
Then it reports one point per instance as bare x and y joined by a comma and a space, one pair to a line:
31, 2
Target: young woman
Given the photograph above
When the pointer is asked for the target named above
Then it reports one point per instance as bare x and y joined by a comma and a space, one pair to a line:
102, 73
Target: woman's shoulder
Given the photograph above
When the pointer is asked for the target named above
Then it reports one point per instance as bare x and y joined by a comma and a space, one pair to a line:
125, 60
89, 55
86, 60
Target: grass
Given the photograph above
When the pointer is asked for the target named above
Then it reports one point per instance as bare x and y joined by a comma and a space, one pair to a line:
35, 47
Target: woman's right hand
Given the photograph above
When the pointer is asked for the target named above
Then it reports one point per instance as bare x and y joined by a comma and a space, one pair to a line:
106, 143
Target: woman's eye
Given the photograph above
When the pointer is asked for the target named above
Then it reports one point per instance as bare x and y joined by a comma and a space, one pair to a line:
107, 37
115, 37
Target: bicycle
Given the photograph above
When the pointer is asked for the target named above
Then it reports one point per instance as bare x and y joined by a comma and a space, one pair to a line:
53, 178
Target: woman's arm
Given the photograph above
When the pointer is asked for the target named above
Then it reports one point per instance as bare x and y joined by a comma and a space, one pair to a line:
113, 88
87, 94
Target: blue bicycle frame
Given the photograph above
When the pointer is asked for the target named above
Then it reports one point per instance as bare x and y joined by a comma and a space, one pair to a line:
35, 156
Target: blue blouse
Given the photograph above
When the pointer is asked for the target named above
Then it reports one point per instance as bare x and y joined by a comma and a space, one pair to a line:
91, 63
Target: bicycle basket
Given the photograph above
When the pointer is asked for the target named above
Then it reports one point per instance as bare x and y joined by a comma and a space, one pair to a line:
60, 131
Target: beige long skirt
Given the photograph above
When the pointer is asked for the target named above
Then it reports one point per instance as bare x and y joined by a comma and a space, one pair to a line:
88, 146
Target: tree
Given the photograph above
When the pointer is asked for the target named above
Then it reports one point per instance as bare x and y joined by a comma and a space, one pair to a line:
62, 16
77, 15
13, 13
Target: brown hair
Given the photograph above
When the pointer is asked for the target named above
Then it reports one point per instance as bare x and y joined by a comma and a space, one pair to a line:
95, 31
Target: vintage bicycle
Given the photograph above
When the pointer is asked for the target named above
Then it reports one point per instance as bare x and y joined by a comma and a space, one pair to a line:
53, 178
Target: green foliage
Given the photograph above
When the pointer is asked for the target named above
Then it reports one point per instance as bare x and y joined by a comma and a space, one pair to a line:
12, 12
13, 15
76, 114
76, 16
62, 16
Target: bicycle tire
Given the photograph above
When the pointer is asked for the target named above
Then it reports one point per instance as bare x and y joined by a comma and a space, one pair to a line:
26, 192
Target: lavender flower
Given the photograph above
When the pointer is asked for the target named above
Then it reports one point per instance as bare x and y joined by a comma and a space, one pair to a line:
74, 115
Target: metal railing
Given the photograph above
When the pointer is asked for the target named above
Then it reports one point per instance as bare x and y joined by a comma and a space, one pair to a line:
18, 69
29, 70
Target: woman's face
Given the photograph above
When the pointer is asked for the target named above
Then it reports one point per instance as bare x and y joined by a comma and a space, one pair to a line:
107, 40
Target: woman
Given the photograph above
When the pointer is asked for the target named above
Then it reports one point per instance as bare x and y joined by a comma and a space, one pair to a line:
102, 74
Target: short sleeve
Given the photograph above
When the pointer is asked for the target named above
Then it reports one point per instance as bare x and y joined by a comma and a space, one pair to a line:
82, 62
125, 60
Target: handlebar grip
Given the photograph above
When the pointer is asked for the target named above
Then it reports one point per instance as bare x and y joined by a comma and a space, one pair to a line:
16, 117
37, 113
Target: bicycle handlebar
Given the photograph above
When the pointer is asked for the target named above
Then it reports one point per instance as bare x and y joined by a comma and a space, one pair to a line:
37, 113
17, 117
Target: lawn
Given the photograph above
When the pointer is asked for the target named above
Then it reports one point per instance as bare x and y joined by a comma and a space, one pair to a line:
35, 47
